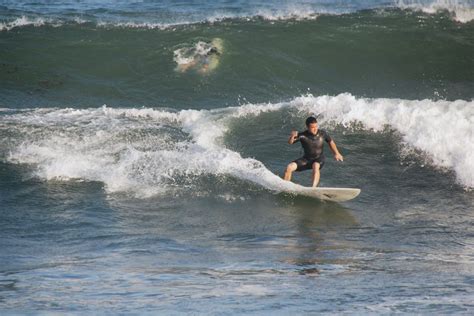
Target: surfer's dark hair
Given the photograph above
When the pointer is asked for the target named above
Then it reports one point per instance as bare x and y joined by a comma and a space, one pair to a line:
311, 120
213, 50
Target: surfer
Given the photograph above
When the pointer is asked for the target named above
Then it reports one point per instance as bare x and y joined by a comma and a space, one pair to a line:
312, 141
208, 59
203, 58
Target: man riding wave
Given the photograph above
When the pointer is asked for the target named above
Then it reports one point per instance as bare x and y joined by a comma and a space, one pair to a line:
312, 141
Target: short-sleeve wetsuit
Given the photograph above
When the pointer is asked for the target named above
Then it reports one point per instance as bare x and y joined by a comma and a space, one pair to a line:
313, 149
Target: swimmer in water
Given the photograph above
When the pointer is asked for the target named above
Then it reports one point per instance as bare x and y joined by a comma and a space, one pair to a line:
203, 63
208, 59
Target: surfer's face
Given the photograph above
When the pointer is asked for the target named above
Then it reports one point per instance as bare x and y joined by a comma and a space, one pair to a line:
313, 128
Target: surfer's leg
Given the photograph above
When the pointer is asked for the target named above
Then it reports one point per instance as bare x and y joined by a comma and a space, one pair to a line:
289, 170
316, 174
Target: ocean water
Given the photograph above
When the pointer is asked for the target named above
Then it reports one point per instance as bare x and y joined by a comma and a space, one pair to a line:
142, 146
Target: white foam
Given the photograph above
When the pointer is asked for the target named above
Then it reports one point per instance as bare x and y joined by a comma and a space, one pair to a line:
271, 13
38, 22
57, 22
140, 25
152, 151
444, 130
463, 10
294, 13
188, 54
290, 12
23, 21
89, 144
198, 56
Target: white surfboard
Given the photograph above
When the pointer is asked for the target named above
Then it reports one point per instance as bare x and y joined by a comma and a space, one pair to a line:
326, 194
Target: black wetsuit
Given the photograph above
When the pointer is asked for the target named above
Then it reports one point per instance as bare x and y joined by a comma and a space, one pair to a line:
313, 149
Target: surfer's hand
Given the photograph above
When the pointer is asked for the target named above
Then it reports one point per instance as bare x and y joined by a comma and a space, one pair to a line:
294, 134
338, 157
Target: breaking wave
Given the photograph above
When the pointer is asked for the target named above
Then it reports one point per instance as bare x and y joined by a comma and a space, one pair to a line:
106, 15
152, 151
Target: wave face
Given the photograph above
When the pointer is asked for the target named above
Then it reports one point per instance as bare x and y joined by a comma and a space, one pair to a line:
172, 69
375, 53
150, 152
142, 145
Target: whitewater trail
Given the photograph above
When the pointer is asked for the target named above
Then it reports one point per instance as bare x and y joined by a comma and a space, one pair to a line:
149, 151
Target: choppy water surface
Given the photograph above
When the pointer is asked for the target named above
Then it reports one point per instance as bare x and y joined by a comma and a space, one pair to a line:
141, 146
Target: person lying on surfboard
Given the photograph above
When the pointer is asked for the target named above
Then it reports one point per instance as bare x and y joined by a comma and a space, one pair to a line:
312, 141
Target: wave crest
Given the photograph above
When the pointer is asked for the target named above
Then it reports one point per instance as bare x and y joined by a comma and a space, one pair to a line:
463, 11
150, 151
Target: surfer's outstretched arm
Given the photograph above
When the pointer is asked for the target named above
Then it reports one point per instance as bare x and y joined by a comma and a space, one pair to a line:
335, 152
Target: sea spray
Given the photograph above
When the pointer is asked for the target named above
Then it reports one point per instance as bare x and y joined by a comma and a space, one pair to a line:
147, 151
106, 15
463, 11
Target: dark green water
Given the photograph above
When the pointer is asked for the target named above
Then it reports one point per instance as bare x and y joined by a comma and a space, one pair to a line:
374, 54
139, 173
